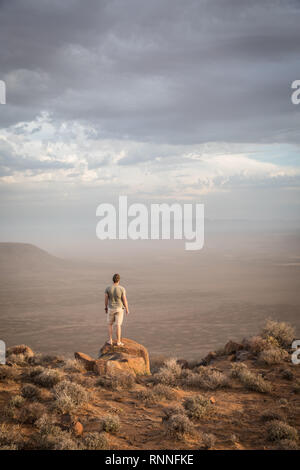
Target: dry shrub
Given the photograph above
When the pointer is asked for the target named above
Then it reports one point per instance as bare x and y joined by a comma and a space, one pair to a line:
31, 392
208, 440
52, 437
287, 444
279, 430
8, 373
156, 362
169, 373
68, 396
46, 360
272, 356
249, 379
177, 425
94, 441
10, 437
172, 410
47, 378
156, 394
111, 423
73, 365
283, 332
197, 406
207, 378
117, 381
31, 413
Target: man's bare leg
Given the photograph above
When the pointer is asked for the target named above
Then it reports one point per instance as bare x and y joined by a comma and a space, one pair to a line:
118, 334
110, 333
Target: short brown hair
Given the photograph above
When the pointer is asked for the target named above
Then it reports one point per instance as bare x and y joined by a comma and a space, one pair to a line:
116, 277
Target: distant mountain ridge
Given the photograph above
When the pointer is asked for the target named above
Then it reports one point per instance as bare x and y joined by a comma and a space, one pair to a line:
25, 256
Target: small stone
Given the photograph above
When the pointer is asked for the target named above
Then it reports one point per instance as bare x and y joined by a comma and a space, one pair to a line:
77, 428
212, 400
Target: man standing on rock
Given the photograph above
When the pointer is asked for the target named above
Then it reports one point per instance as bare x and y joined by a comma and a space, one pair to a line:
115, 301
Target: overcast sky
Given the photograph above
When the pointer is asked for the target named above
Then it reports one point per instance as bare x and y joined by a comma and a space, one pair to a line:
160, 100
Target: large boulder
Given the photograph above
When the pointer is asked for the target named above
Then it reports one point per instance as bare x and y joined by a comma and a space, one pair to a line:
132, 357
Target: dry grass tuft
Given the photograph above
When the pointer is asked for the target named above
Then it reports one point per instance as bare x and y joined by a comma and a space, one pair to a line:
197, 406
282, 332
111, 423
94, 441
249, 379
68, 396
278, 430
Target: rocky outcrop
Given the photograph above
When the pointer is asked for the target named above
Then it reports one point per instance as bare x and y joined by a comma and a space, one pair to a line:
132, 357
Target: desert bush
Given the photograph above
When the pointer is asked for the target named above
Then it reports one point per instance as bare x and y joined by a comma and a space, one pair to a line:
172, 410
31, 392
47, 378
10, 437
13, 405
31, 413
287, 444
17, 359
178, 425
117, 381
249, 379
68, 396
17, 401
8, 373
164, 392
46, 360
208, 440
94, 441
110, 423
278, 430
268, 416
156, 362
157, 393
207, 378
169, 373
147, 396
52, 437
272, 356
197, 406
283, 332
287, 374
73, 365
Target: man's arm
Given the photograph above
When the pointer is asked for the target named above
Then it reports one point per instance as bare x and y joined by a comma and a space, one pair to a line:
124, 300
106, 301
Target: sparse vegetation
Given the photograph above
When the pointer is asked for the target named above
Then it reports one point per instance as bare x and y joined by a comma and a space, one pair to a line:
279, 430
68, 396
8, 373
169, 373
31, 413
157, 393
111, 423
207, 379
31, 392
177, 425
282, 332
52, 437
94, 441
117, 381
208, 440
197, 406
249, 379
47, 378
272, 356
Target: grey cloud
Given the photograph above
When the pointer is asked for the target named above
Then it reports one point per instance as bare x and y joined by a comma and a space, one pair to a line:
155, 71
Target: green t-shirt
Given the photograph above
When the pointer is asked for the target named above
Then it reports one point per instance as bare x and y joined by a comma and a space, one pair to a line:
115, 296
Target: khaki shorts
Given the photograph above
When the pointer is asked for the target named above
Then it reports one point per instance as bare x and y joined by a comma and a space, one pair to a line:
115, 316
